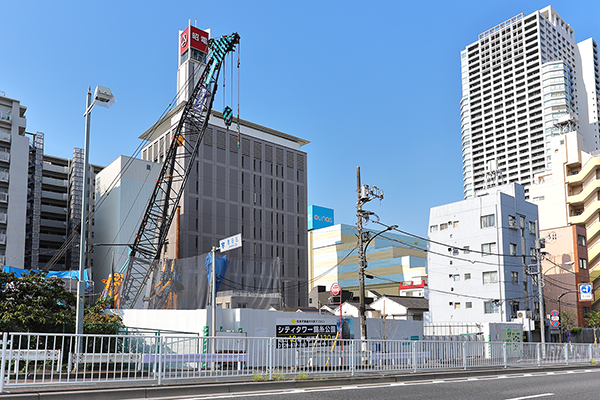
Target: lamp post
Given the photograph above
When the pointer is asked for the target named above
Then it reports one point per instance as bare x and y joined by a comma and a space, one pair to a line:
103, 97
361, 270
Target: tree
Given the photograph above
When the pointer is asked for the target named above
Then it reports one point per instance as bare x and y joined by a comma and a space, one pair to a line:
568, 320
32, 303
593, 321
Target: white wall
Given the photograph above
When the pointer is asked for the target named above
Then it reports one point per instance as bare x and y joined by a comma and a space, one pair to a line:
258, 323
120, 203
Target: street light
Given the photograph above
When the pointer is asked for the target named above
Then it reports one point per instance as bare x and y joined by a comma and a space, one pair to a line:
362, 265
104, 98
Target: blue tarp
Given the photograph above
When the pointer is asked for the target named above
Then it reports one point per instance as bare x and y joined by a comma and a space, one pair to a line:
18, 272
221, 266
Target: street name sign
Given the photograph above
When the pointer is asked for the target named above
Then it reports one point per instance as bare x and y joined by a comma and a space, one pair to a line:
230, 243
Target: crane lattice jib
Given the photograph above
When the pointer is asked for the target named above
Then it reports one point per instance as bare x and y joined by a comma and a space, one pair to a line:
152, 233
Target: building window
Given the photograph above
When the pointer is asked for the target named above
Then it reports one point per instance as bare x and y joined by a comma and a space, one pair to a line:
468, 304
532, 227
581, 240
491, 307
582, 263
586, 312
467, 276
514, 277
513, 249
455, 224
456, 277
466, 250
433, 228
512, 221
490, 277
443, 226
456, 306
488, 248
515, 307
488, 221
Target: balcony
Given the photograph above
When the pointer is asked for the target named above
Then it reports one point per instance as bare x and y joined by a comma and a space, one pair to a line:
4, 137
4, 156
5, 116
2, 238
3, 176
55, 182
3, 218
48, 237
3, 197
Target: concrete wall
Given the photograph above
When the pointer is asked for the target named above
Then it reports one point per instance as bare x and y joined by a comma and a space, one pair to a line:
261, 323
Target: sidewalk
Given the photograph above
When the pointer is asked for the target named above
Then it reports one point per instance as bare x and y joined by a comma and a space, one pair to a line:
132, 390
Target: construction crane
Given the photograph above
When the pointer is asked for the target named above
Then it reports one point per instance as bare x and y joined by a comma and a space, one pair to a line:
152, 234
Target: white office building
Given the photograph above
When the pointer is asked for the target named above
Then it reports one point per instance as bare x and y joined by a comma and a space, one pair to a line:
475, 262
14, 158
519, 79
122, 192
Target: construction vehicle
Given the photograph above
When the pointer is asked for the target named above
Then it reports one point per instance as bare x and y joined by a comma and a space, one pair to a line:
151, 236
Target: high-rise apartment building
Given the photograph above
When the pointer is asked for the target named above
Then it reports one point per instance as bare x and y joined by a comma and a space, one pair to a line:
253, 184
519, 79
14, 151
54, 208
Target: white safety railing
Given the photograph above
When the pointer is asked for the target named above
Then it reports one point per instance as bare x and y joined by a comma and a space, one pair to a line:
56, 359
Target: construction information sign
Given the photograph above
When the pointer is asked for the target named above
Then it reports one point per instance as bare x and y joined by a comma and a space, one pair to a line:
305, 330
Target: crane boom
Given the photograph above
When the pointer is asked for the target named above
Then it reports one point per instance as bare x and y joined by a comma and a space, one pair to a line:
152, 233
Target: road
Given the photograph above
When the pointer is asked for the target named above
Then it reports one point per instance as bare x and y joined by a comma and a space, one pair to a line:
571, 385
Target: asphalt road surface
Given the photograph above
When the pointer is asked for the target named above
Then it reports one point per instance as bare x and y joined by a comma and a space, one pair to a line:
568, 385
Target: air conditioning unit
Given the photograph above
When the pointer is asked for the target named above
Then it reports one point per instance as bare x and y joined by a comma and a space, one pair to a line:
524, 314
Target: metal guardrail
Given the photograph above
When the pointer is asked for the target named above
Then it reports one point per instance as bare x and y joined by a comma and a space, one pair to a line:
53, 359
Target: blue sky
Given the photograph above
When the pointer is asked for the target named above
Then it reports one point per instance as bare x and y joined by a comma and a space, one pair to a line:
370, 84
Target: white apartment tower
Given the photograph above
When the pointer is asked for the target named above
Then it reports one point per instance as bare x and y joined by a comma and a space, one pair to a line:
14, 157
519, 80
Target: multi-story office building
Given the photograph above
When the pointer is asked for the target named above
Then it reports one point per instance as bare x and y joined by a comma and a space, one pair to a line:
478, 254
392, 260
254, 184
14, 157
518, 80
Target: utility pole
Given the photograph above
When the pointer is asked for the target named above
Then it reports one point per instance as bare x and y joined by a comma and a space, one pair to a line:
364, 194
539, 244
361, 258
525, 269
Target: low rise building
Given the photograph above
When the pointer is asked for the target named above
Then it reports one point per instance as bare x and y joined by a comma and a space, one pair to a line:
479, 256
391, 259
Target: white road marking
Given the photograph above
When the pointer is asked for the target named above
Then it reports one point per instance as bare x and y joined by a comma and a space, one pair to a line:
534, 396
327, 389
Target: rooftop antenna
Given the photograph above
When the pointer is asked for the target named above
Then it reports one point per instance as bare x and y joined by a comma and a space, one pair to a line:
195, 22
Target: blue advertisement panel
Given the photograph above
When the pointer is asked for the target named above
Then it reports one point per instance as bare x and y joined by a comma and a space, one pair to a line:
319, 217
